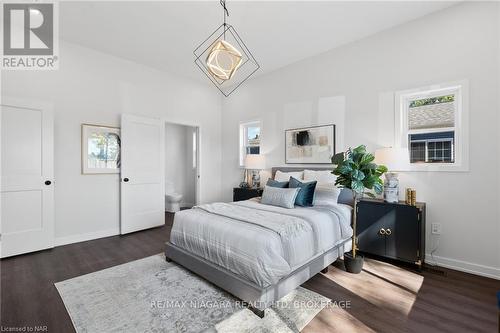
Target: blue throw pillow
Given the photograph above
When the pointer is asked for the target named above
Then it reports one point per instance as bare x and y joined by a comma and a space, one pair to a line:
275, 183
305, 197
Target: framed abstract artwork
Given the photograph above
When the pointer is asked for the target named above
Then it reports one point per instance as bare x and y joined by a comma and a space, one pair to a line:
100, 149
310, 145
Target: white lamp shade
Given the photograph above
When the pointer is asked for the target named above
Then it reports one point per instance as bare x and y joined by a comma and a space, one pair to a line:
395, 159
255, 162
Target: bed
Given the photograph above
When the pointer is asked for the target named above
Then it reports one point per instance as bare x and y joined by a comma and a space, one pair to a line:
259, 253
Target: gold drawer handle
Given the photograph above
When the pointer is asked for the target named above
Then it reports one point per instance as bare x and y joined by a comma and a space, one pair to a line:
388, 232
382, 231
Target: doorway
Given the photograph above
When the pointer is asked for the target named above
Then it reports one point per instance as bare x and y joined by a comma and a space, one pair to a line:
27, 177
181, 166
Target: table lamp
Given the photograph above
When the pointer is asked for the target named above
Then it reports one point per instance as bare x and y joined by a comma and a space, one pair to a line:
254, 163
395, 159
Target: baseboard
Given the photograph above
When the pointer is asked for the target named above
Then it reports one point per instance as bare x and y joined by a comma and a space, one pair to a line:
86, 237
464, 266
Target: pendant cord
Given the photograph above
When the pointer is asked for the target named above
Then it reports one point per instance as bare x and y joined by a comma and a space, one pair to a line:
226, 13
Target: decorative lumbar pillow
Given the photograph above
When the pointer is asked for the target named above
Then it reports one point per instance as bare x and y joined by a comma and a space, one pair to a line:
326, 195
285, 176
305, 197
321, 176
282, 197
275, 183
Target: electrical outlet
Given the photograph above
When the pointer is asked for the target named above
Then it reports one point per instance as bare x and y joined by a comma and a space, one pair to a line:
436, 228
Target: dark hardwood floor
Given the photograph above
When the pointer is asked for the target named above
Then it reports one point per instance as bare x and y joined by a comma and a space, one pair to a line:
383, 298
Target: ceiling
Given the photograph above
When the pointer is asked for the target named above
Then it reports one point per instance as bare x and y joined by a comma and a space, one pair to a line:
163, 34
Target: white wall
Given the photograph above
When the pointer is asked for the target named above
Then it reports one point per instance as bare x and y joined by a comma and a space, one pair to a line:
354, 87
92, 87
179, 172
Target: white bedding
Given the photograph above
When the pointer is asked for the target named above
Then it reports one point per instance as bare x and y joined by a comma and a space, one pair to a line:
259, 242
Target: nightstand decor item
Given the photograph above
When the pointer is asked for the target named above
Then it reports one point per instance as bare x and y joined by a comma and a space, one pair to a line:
411, 197
355, 170
254, 163
408, 196
224, 58
396, 159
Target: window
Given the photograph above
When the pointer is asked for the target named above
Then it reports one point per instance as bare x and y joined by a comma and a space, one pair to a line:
431, 124
249, 140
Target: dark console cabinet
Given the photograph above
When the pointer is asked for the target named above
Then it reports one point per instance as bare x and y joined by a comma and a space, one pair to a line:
392, 230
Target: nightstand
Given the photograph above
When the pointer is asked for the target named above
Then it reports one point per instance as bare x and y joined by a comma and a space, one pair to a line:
240, 194
392, 230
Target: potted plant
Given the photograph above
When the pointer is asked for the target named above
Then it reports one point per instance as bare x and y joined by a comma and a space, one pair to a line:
355, 170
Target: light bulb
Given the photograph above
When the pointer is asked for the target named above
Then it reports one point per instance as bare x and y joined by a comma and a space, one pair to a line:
223, 60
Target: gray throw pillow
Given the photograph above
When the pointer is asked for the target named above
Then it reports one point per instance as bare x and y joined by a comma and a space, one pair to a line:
281, 197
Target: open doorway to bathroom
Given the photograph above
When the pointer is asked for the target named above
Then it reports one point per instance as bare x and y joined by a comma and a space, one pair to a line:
181, 166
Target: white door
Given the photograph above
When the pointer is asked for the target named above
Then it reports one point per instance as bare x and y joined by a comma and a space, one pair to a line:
142, 173
27, 177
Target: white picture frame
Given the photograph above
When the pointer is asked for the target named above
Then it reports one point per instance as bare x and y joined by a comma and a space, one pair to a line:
100, 149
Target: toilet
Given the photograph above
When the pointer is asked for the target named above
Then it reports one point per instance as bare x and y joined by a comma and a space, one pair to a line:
172, 198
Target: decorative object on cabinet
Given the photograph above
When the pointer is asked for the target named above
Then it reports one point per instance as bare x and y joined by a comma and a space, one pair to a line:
411, 197
356, 170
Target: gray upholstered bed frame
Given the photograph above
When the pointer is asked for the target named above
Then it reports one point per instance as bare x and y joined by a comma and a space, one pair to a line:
260, 298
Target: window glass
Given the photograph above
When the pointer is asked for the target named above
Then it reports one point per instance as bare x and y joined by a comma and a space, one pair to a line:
427, 117
249, 140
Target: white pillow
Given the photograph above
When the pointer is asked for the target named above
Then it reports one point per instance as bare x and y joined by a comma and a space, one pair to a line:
282, 197
326, 195
322, 177
285, 176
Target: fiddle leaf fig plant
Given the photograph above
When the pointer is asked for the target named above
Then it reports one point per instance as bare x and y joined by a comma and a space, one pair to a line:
356, 170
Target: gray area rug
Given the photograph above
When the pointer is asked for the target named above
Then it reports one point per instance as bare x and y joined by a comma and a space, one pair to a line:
151, 295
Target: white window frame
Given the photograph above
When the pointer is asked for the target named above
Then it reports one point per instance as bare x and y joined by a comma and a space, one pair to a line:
243, 136
461, 141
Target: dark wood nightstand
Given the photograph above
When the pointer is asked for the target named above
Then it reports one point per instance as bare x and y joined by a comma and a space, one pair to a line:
240, 194
392, 230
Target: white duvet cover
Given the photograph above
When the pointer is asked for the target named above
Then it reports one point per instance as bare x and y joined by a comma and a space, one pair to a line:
259, 242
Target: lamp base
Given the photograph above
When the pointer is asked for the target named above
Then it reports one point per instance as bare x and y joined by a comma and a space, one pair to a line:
391, 187
255, 179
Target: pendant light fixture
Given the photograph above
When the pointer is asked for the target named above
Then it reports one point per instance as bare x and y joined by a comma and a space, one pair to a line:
224, 57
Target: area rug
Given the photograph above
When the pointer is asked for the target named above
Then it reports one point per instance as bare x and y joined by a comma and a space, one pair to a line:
151, 295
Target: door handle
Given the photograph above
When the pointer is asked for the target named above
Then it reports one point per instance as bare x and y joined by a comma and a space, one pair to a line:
125, 180
382, 231
388, 232
48, 182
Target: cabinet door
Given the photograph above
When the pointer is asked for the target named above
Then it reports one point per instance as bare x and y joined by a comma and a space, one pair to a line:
371, 218
402, 243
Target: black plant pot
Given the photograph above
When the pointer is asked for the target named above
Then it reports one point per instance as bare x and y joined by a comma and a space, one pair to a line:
353, 265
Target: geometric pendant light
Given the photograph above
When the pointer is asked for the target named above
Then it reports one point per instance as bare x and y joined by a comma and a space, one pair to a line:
224, 58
